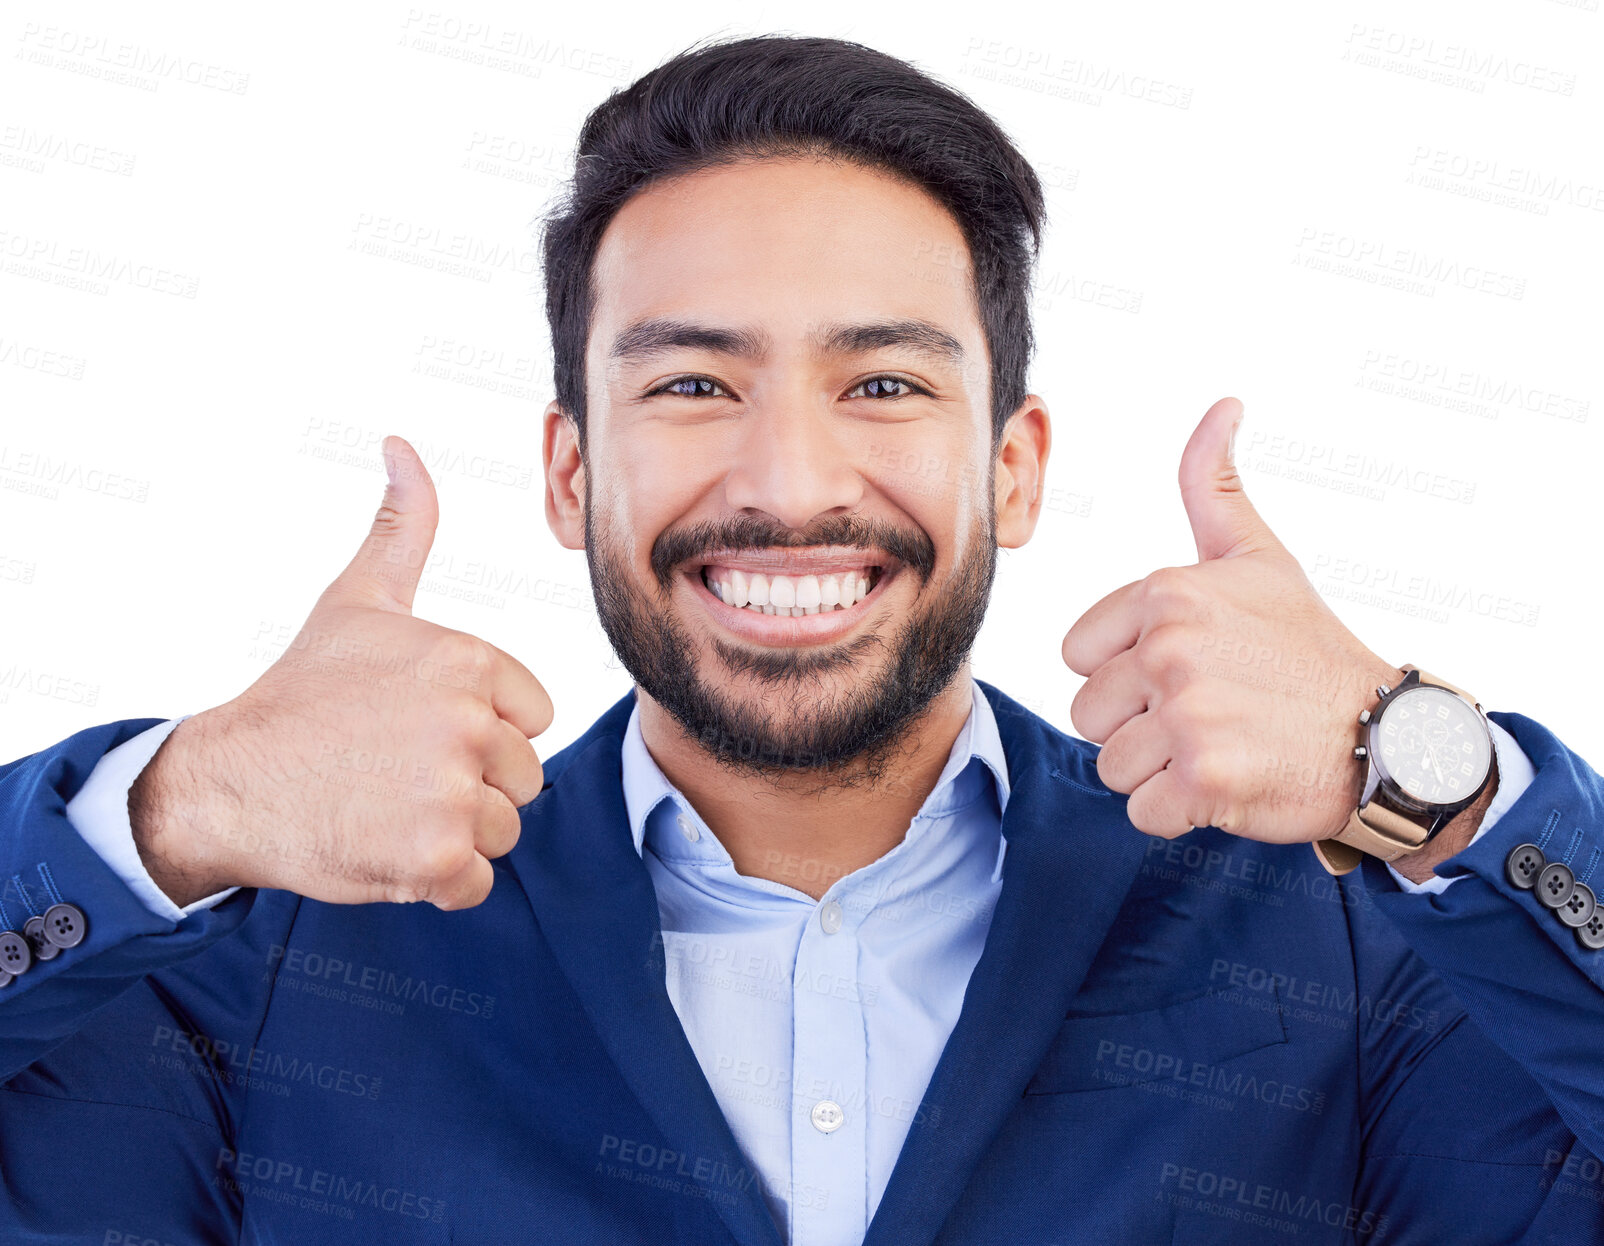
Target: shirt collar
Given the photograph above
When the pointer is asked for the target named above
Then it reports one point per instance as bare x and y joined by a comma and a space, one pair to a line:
646, 786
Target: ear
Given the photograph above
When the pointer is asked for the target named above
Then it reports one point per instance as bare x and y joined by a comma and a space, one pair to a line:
565, 478
1021, 471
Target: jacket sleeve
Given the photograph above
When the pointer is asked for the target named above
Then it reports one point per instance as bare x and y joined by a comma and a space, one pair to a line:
115, 1095
1488, 1122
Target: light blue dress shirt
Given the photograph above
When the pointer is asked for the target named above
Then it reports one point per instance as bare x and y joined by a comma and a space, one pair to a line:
816, 1022
819, 1022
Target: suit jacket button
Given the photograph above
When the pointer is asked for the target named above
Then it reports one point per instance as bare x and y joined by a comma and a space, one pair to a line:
15, 954
1555, 884
1590, 934
7, 977
33, 930
65, 925
1522, 865
1581, 905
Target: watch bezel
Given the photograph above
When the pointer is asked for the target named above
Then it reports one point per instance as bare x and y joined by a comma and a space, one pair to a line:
1380, 779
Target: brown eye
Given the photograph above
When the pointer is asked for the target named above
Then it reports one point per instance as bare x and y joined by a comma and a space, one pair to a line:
884, 382
696, 384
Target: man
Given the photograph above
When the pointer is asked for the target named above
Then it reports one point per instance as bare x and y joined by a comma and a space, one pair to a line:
811, 937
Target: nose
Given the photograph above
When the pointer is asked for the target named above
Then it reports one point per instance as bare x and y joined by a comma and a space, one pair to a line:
792, 462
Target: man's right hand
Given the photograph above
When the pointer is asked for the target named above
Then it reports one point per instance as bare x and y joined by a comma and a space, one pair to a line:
381, 758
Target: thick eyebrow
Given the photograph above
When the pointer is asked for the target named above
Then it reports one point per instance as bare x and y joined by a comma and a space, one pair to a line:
658, 335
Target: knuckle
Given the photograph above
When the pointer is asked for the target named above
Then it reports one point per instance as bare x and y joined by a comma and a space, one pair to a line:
1186, 719
387, 520
478, 726
1167, 589
443, 860
1167, 656
1200, 772
464, 652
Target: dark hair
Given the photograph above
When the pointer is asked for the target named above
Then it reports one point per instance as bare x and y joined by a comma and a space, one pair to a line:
774, 96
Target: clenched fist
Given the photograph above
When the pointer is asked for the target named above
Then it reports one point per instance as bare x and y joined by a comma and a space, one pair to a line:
381, 758
1225, 693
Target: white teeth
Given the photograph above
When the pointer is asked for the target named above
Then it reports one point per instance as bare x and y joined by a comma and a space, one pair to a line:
789, 596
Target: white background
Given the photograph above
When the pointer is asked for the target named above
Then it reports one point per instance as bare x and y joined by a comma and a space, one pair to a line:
189, 445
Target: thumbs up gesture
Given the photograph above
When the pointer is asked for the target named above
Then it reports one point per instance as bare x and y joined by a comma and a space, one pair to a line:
381, 758
1225, 693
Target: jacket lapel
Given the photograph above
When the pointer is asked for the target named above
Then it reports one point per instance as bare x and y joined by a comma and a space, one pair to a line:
1072, 856
594, 902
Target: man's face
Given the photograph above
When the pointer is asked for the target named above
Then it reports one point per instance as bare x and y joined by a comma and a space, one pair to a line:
767, 449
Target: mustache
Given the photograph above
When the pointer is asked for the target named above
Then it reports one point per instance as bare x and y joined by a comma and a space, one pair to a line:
679, 545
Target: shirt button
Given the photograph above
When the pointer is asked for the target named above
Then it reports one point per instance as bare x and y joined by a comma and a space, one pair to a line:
830, 920
1579, 907
65, 925
1555, 884
828, 1116
1523, 865
688, 829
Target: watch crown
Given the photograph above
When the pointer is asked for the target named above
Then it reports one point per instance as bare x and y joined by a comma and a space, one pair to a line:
1383, 691
1361, 752
1364, 716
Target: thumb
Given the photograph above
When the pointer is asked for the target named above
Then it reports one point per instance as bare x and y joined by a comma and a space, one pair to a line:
386, 570
1224, 523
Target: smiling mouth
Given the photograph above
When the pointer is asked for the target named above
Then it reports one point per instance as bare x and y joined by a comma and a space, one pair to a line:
794, 595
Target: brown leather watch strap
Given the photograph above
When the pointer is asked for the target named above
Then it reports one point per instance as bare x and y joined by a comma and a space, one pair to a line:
1376, 830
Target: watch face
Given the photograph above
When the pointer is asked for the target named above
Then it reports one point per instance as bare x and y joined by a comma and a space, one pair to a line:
1433, 745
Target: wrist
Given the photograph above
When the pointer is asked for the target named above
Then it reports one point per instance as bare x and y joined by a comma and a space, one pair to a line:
174, 813
1453, 838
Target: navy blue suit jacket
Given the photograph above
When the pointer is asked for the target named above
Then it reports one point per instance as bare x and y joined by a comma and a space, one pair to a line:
1200, 1041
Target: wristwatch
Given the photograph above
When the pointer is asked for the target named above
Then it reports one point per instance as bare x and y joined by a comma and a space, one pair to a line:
1428, 753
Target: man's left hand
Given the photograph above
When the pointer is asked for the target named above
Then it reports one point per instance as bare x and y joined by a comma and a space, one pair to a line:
1225, 693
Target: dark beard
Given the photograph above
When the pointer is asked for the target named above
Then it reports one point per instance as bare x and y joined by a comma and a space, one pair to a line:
846, 741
